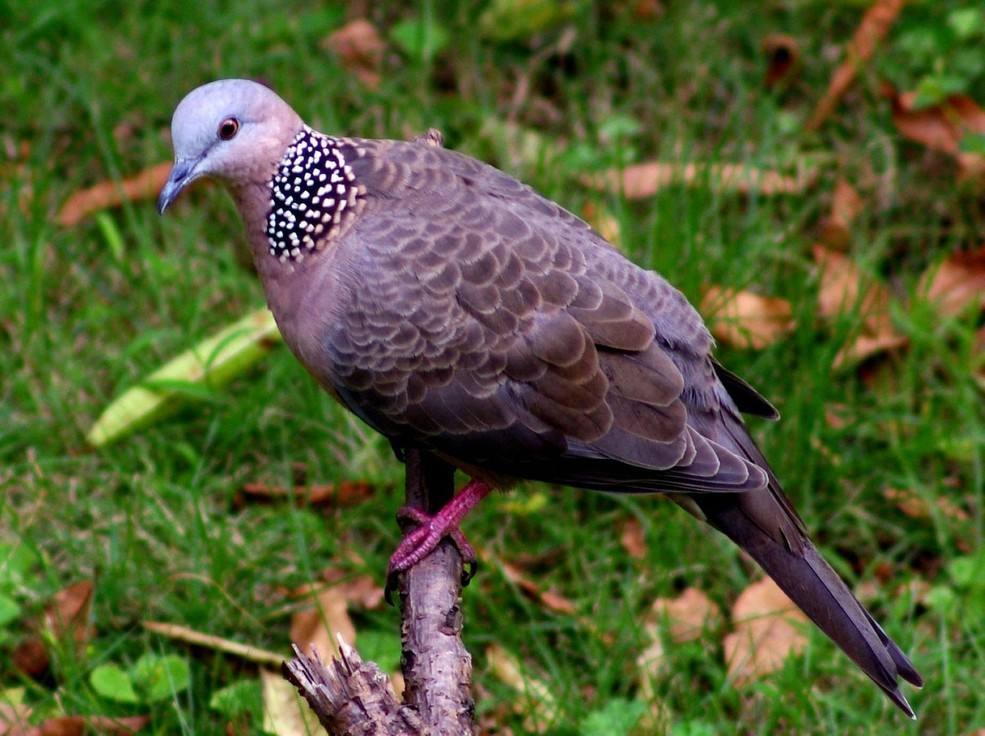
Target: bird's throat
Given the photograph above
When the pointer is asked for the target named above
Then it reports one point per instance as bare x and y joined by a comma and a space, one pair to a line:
312, 193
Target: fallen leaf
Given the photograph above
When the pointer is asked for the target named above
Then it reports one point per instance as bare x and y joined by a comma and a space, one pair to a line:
846, 206
942, 127
686, 616
864, 347
534, 698
917, 507
66, 618
144, 185
603, 221
361, 590
344, 493
14, 713
360, 50
782, 58
79, 725
843, 289
68, 613
648, 9
633, 539
643, 180
397, 684
743, 319
31, 657
958, 283
314, 629
768, 629
837, 415
318, 628
199, 639
285, 713
551, 600
875, 24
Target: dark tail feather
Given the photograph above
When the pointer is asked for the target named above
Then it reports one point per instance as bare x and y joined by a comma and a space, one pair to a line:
806, 578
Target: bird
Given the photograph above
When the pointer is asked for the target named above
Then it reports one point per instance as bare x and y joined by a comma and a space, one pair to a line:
460, 313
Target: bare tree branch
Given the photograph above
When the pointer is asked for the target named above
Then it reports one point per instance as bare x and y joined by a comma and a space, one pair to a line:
351, 697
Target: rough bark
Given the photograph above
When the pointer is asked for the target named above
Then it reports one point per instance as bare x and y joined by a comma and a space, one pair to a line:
437, 668
351, 697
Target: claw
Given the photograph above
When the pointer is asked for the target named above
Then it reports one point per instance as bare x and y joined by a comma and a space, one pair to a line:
420, 541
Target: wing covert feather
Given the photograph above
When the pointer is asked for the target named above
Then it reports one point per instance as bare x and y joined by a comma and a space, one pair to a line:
483, 316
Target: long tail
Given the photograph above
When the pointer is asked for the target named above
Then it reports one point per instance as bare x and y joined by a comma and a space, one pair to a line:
800, 571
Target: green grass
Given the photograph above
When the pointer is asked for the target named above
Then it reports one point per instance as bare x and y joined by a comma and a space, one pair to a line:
91, 86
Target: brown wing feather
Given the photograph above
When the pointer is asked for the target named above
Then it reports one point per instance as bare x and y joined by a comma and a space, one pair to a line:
525, 335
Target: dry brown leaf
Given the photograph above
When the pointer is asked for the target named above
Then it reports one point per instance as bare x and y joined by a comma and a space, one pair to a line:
782, 58
844, 289
360, 50
842, 286
534, 699
941, 127
31, 657
397, 684
743, 319
632, 538
768, 629
345, 493
864, 347
639, 181
846, 205
14, 718
648, 9
876, 22
79, 725
285, 713
318, 627
68, 612
551, 600
66, 618
199, 639
687, 615
315, 629
604, 222
143, 185
958, 283
916, 507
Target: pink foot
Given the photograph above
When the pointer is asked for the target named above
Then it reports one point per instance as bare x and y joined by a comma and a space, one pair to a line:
419, 543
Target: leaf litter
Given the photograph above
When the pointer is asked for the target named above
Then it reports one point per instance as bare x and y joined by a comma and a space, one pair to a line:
768, 628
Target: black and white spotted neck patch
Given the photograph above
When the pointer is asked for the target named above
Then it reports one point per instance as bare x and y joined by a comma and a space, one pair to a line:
309, 193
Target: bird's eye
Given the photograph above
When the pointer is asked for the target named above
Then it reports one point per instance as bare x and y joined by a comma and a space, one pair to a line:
228, 128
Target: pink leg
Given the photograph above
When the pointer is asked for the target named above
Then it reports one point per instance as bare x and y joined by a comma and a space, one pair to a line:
432, 529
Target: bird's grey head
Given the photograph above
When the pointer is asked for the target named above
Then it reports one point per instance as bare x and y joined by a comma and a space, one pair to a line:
234, 130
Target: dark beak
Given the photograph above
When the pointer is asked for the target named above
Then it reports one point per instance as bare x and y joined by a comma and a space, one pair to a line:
182, 174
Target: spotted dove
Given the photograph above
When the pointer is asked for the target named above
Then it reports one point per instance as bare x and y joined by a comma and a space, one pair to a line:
458, 312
